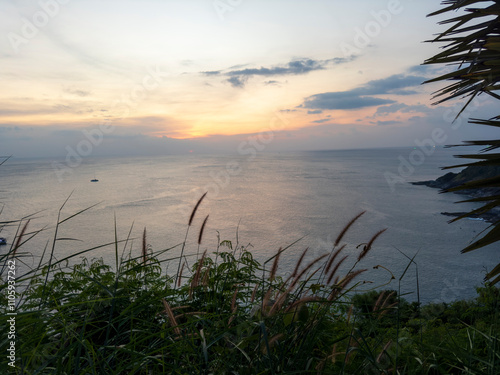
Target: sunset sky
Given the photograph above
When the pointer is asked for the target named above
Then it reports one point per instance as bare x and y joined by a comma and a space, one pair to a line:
170, 76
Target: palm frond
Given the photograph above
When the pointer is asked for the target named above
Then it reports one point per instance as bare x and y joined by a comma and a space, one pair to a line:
473, 44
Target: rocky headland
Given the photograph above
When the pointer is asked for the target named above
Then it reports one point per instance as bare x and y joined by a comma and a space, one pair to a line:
471, 173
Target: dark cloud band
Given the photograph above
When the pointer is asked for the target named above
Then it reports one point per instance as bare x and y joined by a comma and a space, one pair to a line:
238, 77
365, 96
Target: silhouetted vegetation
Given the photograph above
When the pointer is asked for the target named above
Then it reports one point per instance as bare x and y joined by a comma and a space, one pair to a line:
472, 44
227, 313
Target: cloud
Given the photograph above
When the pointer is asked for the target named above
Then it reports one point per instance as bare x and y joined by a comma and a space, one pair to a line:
238, 77
131, 137
393, 108
428, 70
135, 136
211, 73
272, 83
394, 84
384, 123
402, 108
342, 100
294, 67
315, 112
364, 96
238, 82
76, 92
238, 66
23, 111
321, 121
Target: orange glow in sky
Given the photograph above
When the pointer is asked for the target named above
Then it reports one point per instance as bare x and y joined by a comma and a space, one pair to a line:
185, 70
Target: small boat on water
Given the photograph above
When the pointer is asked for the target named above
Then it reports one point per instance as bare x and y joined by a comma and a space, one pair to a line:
3, 241
94, 180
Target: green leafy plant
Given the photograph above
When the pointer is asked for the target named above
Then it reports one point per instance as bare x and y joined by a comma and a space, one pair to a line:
228, 313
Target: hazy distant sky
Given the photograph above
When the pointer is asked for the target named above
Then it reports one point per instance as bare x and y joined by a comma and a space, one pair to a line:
168, 76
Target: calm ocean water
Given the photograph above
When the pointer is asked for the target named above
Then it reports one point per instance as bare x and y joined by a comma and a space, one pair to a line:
270, 202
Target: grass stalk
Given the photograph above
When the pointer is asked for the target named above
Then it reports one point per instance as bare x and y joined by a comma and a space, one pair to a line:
191, 218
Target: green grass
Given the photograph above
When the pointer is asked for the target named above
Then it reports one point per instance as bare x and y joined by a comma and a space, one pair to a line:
229, 314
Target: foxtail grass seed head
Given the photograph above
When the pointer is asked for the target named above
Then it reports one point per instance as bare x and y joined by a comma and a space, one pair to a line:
351, 276
378, 302
171, 317
196, 279
231, 318
252, 298
274, 339
267, 299
200, 236
275, 265
302, 301
351, 349
278, 303
206, 276
334, 354
20, 238
335, 269
384, 351
337, 288
144, 247
299, 262
349, 313
383, 307
196, 208
368, 246
233, 300
307, 268
346, 228
332, 259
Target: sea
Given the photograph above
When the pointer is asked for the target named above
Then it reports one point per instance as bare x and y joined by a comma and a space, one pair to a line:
264, 202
